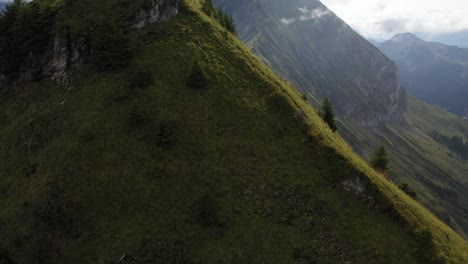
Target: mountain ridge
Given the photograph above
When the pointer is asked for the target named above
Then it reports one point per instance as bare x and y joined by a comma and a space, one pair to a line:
112, 169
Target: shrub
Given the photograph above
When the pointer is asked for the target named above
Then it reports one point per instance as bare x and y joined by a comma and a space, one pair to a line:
226, 21
141, 79
209, 8
165, 136
379, 160
279, 103
328, 114
407, 189
208, 212
197, 78
136, 119
426, 248
110, 49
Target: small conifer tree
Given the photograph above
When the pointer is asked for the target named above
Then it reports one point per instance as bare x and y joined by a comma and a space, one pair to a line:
197, 78
328, 114
110, 48
209, 8
379, 160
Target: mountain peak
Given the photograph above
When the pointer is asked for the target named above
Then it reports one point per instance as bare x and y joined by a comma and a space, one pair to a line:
405, 37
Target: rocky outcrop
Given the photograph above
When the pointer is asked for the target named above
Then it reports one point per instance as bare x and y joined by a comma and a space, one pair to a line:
382, 99
62, 57
65, 54
158, 11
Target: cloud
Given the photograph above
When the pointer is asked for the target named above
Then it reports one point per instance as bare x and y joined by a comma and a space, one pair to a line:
313, 14
307, 14
287, 20
380, 19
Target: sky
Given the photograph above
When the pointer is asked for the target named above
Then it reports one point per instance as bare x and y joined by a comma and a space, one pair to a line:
381, 19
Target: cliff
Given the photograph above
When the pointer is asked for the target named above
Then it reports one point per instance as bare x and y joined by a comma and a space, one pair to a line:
309, 45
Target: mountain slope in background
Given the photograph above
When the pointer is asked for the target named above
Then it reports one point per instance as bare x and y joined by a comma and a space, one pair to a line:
433, 72
459, 38
111, 167
307, 44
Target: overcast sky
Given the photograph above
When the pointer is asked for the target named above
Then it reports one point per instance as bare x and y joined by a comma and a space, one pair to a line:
380, 19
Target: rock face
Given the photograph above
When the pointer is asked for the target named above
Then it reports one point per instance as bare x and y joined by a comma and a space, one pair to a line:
157, 11
65, 54
309, 45
61, 58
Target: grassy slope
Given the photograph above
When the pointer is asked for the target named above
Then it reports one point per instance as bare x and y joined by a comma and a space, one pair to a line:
94, 146
439, 179
438, 176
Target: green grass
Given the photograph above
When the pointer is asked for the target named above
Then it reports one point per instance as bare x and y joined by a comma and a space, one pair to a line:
90, 155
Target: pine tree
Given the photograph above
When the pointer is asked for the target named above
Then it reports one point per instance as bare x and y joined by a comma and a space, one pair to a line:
328, 114
379, 160
209, 8
110, 48
197, 78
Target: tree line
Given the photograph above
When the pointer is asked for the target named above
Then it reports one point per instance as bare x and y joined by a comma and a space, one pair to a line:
455, 143
25, 29
223, 17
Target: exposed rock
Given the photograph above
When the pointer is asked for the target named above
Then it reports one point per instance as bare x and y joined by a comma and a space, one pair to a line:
157, 12
64, 54
354, 185
56, 64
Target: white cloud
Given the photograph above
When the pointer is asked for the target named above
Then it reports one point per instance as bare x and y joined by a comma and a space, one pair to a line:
380, 19
312, 13
287, 20
307, 14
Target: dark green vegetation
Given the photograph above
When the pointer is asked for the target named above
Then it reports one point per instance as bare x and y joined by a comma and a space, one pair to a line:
379, 160
328, 114
110, 48
408, 190
223, 17
457, 144
431, 71
325, 58
108, 165
197, 78
24, 29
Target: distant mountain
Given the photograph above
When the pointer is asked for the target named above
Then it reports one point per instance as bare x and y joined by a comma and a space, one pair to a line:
2, 5
433, 72
459, 38
310, 46
374, 42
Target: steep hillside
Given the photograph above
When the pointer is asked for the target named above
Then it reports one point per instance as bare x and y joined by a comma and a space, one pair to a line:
307, 44
433, 72
134, 165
